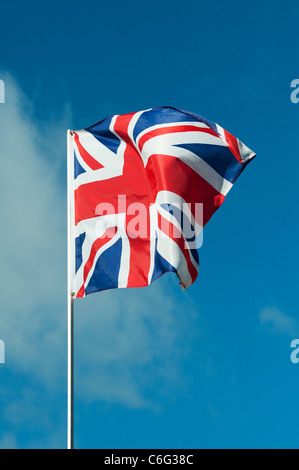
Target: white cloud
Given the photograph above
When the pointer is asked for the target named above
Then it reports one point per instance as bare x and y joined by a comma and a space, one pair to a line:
278, 322
130, 346
32, 238
130, 342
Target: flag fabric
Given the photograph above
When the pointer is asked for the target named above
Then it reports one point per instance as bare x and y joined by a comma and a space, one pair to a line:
143, 185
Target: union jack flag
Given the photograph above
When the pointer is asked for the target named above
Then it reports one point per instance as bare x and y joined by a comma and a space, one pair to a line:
157, 163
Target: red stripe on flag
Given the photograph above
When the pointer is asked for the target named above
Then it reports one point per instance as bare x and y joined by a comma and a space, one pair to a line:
140, 258
81, 292
233, 145
136, 189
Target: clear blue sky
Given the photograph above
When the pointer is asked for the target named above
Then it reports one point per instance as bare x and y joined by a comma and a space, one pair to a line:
155, 367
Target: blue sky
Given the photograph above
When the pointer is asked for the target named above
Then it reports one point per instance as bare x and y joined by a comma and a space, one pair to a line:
155, 367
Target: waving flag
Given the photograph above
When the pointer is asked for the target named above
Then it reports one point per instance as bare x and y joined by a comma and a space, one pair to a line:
142, 187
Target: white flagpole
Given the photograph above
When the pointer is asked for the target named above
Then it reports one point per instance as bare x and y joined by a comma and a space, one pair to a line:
70, 300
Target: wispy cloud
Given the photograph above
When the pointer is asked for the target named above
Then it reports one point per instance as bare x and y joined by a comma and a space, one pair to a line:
32, 237
130, 346
278, 322
131, 342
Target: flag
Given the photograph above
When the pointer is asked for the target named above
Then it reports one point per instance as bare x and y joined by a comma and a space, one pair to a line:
142, 187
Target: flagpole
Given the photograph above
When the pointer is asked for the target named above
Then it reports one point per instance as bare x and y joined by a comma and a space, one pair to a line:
70, 300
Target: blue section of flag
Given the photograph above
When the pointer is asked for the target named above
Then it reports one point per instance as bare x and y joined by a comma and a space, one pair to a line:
221, 159
199, 118
78, 250
194, 254
157, 116
77, 167
101, 131
105, 274
161, 266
